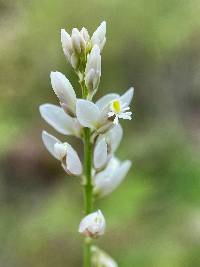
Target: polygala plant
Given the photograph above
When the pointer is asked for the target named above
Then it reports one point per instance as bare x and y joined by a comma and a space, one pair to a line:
96, 124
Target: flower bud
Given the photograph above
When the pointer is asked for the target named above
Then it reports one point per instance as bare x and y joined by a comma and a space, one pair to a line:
98, 37
74, 61
85, 35
66, 44
93, 225
101, 259
63, 89
93, 70
78, 42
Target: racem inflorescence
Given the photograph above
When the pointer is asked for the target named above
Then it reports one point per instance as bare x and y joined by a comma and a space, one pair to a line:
96, 124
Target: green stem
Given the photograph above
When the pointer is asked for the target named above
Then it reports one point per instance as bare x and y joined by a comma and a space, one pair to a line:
88, 190
88, 185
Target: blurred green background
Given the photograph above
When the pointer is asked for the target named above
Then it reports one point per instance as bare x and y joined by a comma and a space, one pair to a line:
153, 219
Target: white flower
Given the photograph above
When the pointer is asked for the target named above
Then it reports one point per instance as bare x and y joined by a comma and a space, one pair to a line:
63, 152
93, 225
93, 70
110, 178
101, 259
64, 90
88, 114
112, 138
61, 121
96, 115
119, 107
98, 37
106, 144
100, 153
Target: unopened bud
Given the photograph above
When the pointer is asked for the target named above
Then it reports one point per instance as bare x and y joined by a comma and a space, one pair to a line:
93, 69
99, 36
93, 225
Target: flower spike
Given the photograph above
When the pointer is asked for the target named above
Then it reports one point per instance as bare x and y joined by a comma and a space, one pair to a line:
96, 124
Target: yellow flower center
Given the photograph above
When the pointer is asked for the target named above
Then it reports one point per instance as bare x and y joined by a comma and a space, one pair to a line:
116, 106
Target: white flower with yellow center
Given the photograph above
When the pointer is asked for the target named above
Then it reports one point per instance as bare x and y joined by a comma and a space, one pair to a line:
95, 115
119, 110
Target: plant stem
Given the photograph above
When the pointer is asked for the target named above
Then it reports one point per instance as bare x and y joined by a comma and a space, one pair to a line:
88, 185
88, 190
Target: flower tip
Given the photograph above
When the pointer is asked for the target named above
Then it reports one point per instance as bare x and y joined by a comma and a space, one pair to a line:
63, 32
53, 74
44, 133
103, 24
128, 164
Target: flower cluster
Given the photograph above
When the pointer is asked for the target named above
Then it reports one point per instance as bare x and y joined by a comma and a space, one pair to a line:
75, 114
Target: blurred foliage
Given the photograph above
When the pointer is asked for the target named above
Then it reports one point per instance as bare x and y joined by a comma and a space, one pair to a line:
153, 218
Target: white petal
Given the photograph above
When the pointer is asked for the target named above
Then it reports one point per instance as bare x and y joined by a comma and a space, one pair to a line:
85, 34
60, 150
66, 44
101, 258
118, 177
114, 137
100, 153
73, 163
127, 97
105, 100
88, 114
98, 36
101, 178
57, 118
49, 142
106, 185
93, 224
63, 89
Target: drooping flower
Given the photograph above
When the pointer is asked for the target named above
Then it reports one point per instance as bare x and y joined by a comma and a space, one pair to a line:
93, 225
106, 144
64, 152
100, 157
113, 138
101, 259
60, 120
93, 70
111, 177
99, 36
